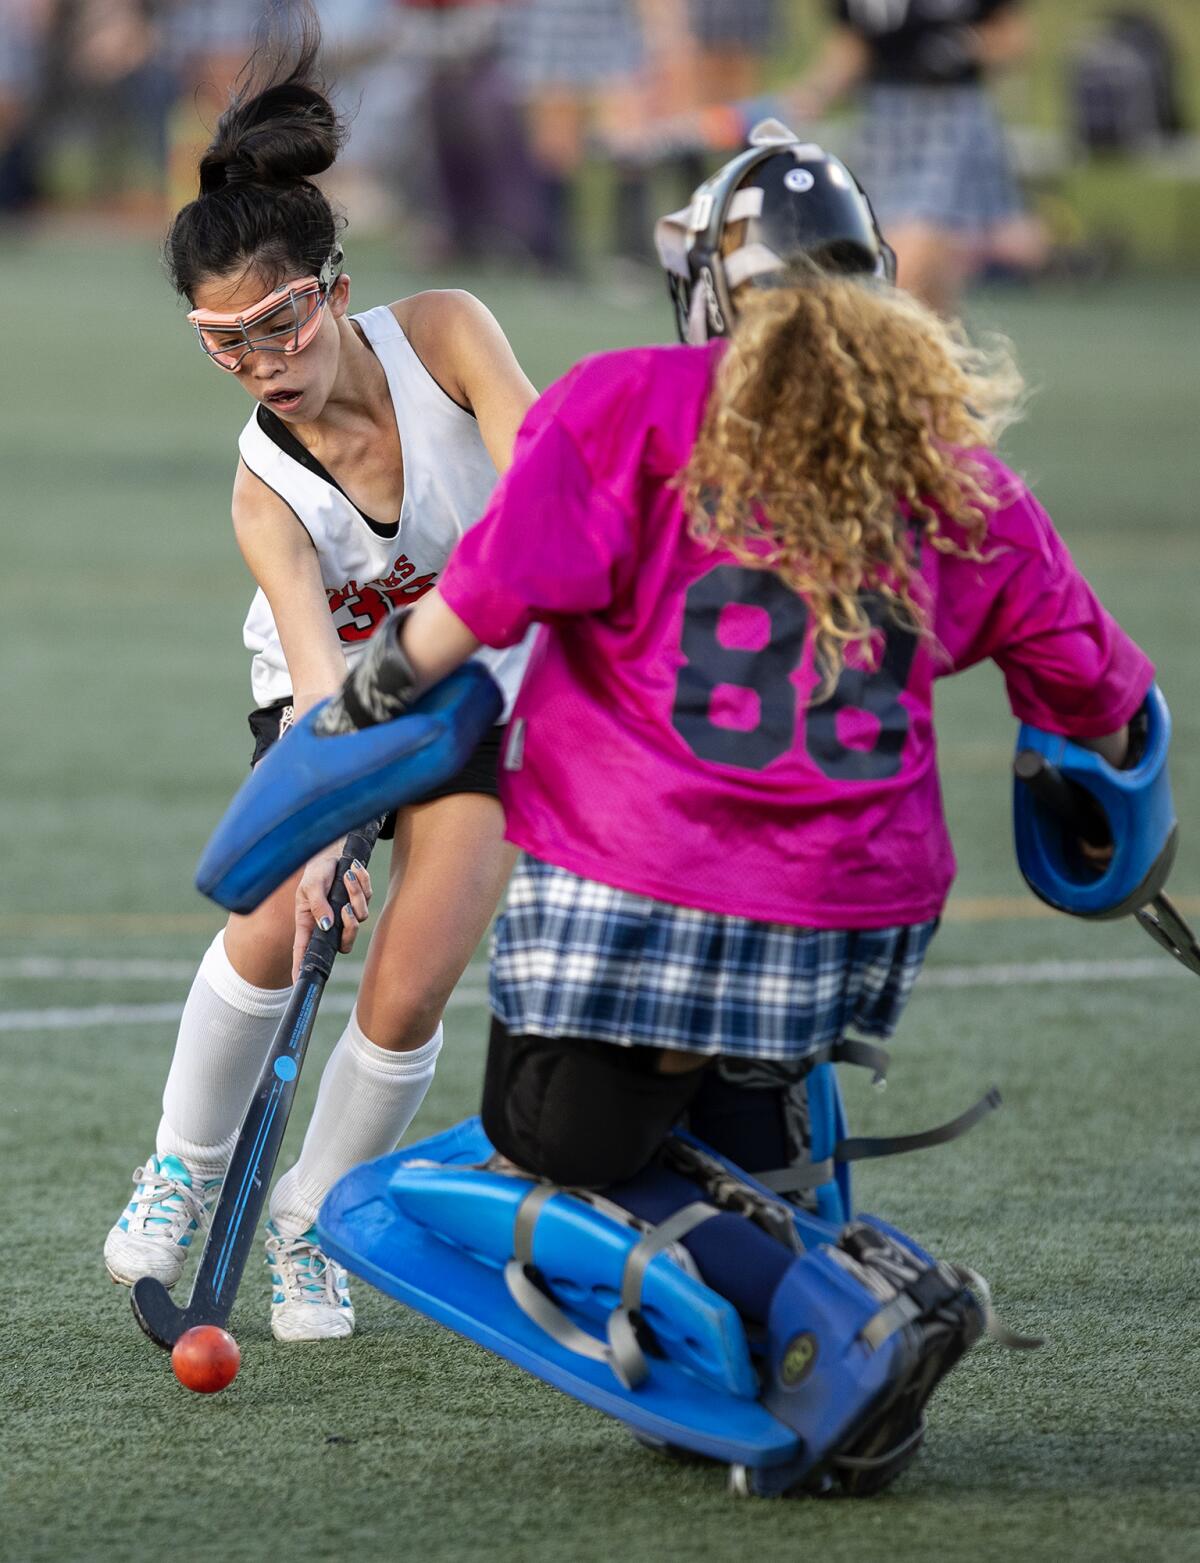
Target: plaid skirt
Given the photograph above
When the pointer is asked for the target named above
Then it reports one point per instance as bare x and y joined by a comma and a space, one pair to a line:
571, 43
937, 155
572, 957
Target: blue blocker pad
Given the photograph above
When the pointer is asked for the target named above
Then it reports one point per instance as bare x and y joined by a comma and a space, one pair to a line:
307, 790
567, 1286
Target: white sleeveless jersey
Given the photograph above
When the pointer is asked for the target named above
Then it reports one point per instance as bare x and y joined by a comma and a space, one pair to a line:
368, 567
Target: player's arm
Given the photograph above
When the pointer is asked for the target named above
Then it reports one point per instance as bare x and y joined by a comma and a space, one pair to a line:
281, 557
843, 62
435, 640
1003, 38
1112, 747
460, 342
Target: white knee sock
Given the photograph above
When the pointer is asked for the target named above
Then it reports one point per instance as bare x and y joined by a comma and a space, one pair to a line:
368, 1097
226, 1029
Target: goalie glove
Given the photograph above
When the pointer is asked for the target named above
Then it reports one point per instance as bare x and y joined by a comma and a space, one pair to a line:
380, 686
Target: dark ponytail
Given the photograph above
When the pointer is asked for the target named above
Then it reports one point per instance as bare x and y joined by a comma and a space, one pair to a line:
257, 206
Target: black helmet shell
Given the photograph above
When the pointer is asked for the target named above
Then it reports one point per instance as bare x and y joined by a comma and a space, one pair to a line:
797, 201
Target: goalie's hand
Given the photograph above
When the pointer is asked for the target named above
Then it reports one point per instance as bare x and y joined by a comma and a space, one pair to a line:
380, 686
312, 902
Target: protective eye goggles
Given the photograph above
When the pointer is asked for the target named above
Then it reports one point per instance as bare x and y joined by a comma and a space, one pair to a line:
285, 321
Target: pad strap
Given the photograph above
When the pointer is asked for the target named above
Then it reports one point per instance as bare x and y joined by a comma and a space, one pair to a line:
811, 1175
863, 1055
622, 1350
901, 1144
860, 1462
915, 1300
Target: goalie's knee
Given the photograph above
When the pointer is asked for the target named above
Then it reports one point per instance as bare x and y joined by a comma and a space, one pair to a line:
579, 1112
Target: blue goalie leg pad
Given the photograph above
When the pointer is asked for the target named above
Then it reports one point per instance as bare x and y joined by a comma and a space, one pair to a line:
737, 1259
441, 1238
307, 791
860, 1325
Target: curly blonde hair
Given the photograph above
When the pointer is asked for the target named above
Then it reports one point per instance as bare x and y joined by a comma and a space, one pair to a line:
835, 435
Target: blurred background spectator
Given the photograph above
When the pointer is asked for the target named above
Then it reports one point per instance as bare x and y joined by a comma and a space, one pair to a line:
23, 27
598, 68
930, 150
545, 134
1124, 87
438, 135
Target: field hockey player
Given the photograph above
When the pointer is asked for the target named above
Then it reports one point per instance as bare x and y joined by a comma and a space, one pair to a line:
373, 444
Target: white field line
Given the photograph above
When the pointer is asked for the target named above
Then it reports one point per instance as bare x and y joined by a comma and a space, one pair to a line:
58, 1018
54, 968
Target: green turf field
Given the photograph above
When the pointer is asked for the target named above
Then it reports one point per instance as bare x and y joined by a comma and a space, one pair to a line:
121, 599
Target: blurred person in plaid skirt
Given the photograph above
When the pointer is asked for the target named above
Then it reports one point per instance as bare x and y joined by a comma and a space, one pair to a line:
587, 67
931, 148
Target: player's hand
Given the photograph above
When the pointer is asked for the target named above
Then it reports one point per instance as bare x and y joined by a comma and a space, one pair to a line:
312, 902
380, 686
1097, 857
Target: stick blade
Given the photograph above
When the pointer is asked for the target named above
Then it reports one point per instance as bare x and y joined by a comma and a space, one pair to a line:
158, 1316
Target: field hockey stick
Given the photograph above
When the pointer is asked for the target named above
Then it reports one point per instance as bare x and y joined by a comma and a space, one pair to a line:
244, 1191
1077, 810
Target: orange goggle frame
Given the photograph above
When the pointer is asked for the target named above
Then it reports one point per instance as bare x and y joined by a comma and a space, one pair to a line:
288, 319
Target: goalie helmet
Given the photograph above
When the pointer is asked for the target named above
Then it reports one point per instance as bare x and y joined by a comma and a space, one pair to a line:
795, 199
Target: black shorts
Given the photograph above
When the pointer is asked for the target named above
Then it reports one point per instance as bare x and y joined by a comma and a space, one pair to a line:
480, 774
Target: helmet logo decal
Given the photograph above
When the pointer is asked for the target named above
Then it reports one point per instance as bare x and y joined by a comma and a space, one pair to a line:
799, 180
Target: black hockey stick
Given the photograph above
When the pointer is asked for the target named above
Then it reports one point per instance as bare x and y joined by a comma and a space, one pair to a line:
235, 1219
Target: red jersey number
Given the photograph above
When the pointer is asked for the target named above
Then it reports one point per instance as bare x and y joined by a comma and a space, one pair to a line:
364, 608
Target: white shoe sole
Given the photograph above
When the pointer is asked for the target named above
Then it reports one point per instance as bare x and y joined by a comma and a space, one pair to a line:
127, 1267
121, 1280
299, 1322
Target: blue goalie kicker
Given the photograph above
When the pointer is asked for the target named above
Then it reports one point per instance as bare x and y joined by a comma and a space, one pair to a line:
844, 1331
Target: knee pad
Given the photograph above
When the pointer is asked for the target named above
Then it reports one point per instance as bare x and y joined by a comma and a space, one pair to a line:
579, 1112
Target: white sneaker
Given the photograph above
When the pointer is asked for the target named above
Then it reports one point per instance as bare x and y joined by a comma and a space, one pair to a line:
310, 1297
155, 1231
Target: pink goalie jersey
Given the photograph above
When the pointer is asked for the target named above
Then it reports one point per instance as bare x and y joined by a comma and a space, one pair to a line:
664, 740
